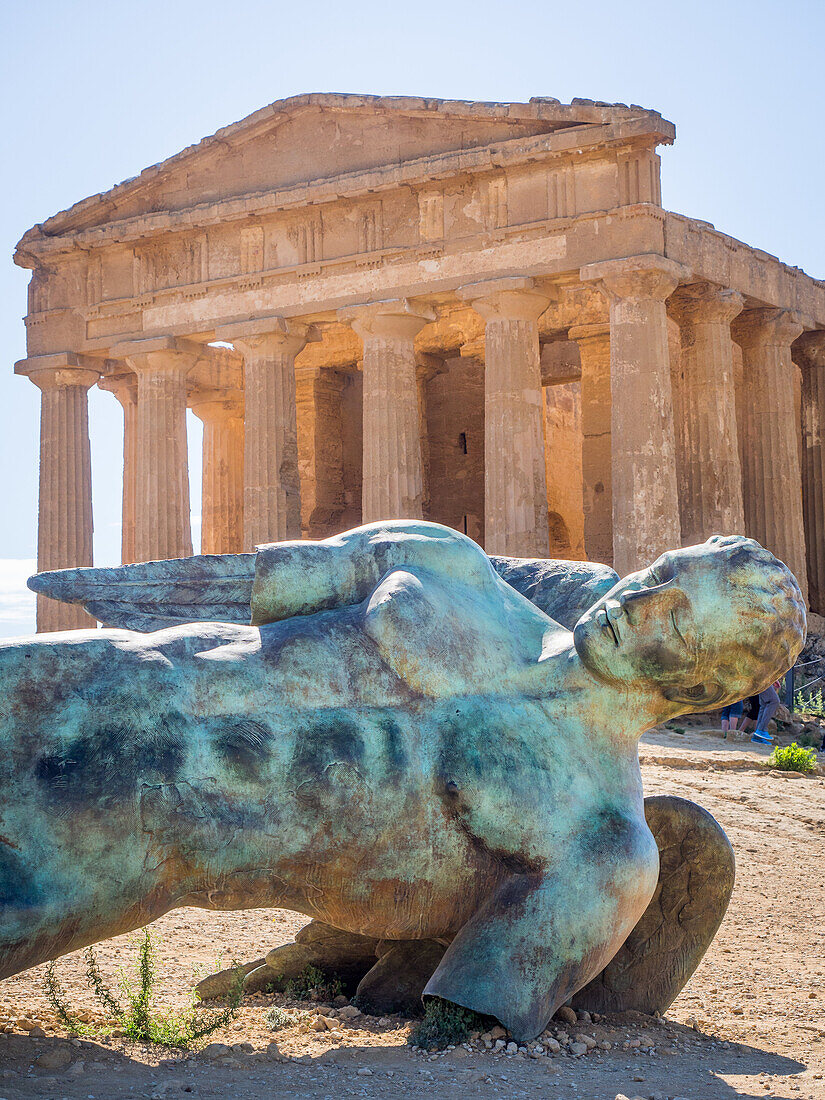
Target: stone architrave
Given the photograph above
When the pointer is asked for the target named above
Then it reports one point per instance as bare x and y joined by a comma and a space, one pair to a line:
393, 479
515, 476
594, 351
64, 534
162, 514
645, 493
124, 387
809, 354
272, 487
707, 451
222, 475
771, 473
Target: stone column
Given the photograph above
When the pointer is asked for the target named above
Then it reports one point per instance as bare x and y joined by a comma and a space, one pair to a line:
645, 494
222, 472
393, 481
771, 475
124, 387
64, 533
162, 519
272, 487
707, 452
594, 351
515, 480
809, 354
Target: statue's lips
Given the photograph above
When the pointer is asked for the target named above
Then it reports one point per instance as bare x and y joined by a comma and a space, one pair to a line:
608, 626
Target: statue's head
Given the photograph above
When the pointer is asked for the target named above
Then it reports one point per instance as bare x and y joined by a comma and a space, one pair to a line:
701, 627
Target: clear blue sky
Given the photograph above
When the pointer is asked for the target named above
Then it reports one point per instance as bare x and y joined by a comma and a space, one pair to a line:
93, 92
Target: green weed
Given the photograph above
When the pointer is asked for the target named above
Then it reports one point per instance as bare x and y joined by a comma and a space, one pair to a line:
313, 984
135, 1014
444, 1024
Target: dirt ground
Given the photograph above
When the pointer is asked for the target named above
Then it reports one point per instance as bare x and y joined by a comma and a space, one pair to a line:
749, 1024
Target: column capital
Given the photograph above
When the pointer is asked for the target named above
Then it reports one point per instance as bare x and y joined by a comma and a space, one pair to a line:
769, 326
512, 299
648, 276
213, 406
400, 317
268, 335
705, 303
808, 350
59, 377
123, 386
159, 353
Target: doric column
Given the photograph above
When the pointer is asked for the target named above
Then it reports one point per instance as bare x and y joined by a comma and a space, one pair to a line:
809, 354
222, 471
645, 494
771, 475
162, 519
272, 488
515, 480
64, 533
393, 485
124, 387
594, 351
707, 453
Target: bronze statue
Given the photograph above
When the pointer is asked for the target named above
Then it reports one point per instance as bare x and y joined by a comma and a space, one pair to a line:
404, 747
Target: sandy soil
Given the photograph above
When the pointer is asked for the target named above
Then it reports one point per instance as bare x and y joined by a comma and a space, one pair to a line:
749, 1024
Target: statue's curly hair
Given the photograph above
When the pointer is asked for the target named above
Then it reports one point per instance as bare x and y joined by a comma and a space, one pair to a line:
767, 600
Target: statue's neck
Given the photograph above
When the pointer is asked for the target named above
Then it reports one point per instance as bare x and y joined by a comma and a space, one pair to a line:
605, 706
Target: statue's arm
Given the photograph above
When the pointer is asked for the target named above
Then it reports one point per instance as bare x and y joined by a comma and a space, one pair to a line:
303, 577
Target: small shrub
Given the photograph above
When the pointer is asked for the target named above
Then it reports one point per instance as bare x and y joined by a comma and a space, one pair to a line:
444, 1024
313, 985
278, 1018
793, 758
135, 1014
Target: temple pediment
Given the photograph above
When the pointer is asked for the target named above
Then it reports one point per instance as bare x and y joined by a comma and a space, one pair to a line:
315, 138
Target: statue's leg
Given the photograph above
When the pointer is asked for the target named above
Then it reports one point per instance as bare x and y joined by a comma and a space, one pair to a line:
696, 877
396, 982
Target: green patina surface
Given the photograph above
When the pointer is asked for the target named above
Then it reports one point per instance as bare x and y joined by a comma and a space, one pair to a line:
404, 746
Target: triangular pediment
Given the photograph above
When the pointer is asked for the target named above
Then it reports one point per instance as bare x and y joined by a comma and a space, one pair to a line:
321, 137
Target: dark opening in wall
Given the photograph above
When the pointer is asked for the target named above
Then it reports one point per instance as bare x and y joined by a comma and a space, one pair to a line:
465, 524
462, 444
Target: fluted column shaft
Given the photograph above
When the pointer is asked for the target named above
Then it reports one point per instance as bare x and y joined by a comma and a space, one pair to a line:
707, 452
222, 471
594, 351
64, 533
272, 487
515, 472
124, 387
809, 354
162, 513
645, 494
393, 482
771, 474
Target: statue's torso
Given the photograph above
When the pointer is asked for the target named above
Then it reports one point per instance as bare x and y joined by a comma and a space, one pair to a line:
381, 767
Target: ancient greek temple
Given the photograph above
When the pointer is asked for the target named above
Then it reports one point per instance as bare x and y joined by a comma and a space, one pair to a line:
478, 313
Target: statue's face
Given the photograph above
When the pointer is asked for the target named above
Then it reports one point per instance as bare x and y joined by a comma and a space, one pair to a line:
660, 627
